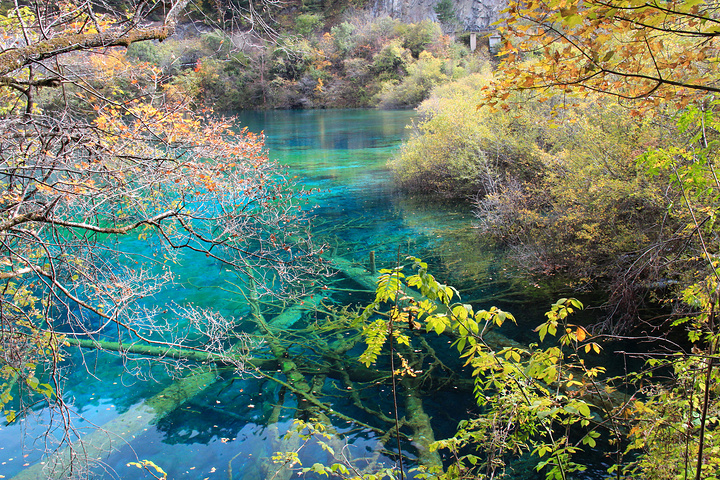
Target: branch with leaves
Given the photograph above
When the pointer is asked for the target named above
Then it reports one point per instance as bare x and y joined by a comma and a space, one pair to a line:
635, 50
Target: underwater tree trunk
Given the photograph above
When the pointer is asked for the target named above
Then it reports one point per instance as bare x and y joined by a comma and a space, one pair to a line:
121, 430
336, 365
199, 356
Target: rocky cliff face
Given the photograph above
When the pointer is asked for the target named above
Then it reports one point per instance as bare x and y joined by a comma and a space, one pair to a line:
473, 15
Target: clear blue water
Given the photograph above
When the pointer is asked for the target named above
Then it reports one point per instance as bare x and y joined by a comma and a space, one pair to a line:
222, 433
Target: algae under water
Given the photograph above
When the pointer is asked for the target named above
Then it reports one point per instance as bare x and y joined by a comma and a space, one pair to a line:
217, 424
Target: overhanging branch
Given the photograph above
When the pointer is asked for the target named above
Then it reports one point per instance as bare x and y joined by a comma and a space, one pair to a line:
18, 58
44, 218
14, 59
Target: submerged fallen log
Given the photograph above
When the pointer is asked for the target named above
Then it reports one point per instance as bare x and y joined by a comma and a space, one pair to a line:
355, 273
118, 432
423, 435
336, 368
159, 351
125, 427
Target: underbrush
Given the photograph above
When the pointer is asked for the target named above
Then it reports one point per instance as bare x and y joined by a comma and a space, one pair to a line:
561, 183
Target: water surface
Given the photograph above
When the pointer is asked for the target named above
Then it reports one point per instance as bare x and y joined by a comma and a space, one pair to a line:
221, 431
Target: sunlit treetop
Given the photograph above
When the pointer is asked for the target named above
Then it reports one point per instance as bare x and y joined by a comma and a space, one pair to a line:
649, 51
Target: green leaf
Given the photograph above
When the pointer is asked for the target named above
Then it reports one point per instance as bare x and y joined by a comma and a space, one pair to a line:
10, 416
33, 382
587, 440
461, 344
542, 331
318, 468
460, 312
449, 291
573, 20
326, 447
339, 467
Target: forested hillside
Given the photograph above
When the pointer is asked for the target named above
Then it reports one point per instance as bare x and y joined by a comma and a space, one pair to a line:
360, 62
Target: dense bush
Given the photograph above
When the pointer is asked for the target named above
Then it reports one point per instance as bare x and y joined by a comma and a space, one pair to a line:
560, 186
459, 151
342, 38
144, 52
593, 211
360, 62
422, 76
392, 60
417, 37
307, 23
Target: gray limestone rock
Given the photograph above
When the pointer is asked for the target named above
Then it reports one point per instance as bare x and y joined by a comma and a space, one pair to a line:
473, 15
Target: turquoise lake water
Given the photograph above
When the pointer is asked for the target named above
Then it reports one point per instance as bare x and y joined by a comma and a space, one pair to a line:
222, 433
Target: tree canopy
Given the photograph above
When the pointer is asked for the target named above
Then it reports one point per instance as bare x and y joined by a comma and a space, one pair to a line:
634, 49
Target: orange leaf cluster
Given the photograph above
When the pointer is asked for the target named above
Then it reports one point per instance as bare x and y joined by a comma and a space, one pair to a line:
649, 51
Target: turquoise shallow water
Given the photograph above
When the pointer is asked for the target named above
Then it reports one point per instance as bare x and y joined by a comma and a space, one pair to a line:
222, 432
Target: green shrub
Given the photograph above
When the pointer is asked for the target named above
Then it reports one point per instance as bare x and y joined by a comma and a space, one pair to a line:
418, 36
458, 150
290, 59
392, 59
216, 42
422, 76
144, 52
445, 11
307, 23
343, 39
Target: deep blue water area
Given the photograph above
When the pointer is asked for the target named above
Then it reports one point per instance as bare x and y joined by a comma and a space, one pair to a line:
221, 431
